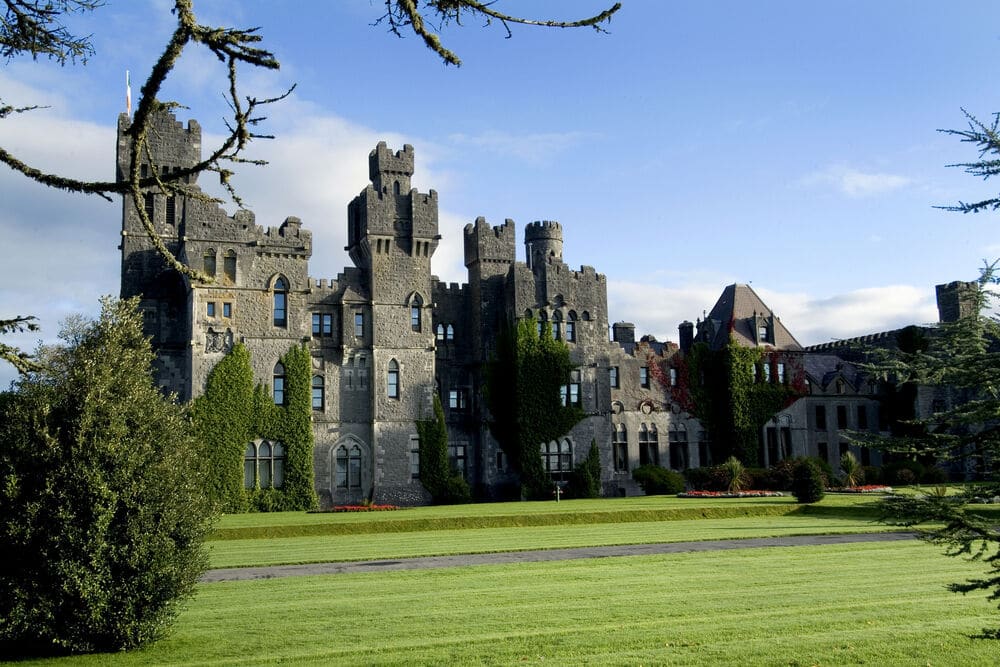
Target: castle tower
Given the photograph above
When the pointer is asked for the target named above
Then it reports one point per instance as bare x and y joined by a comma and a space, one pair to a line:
542, 241
392, 236
956, 300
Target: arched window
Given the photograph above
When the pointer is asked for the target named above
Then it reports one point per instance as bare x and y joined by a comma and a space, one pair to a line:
318, 390
278, 384
557, 456
619, 446
449, 333
348, 467
543, 318
556, 325
208, 262
264, 465
280, 302
416, 312
647, 455
392, 380
439, 332
571, 327
678, 447
229, 266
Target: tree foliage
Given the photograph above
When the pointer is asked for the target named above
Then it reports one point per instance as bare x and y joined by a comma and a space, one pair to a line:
36, 27
102, 512
445, 485
523, 393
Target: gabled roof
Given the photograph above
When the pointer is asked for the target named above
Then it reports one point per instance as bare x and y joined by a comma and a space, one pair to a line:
737, 312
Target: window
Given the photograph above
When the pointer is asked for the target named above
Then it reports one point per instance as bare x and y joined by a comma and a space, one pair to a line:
449, 333
613, 376
208, 262
148, 200
571, 331
820, 417
678, 447
359, 324
841, 416
264, 465
318, 391
227, 309
570, 393
280, 303
644, 377
542, 322
648, 446
781, 372
414, 457
762, 332
499, 460
456, 458
392, 380
210, 309
278, 384
556, 326
439, 332
673, 377
767, 371
457, 399
229, 265
348, 467
316, 318
171, 210
862, 419
823, 451
557, 456
840, 386
322, 325
416, 310
619, 447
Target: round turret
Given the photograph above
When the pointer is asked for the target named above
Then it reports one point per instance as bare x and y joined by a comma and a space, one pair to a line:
543, 241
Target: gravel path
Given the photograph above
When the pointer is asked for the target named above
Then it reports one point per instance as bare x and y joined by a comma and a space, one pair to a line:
461, 560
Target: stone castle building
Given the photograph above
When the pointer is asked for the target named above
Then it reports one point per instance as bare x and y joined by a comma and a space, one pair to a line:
386, 335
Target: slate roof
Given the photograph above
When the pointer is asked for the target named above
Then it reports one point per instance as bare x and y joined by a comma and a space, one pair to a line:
736, 311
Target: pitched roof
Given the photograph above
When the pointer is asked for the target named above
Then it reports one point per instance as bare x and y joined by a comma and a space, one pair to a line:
738, 312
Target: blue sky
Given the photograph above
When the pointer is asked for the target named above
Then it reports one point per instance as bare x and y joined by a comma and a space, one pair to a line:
789, 145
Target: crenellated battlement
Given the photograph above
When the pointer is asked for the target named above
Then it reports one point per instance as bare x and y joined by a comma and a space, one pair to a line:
485, 243
446, 291
171, 145
549, 230
386, 167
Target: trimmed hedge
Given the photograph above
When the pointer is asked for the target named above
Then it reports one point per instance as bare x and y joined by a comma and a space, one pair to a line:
656, 480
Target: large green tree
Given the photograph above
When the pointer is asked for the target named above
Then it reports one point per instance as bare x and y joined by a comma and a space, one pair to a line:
525, 398
102, 512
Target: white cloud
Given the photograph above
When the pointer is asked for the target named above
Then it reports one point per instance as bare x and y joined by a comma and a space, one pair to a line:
854, 182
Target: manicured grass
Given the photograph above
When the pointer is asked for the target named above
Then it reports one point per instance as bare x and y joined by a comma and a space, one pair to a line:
368, 546
850, 604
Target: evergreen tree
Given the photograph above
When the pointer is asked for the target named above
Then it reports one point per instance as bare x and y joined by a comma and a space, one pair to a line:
102, 512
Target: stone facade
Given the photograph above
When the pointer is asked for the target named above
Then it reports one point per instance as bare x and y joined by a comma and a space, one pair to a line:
386, 335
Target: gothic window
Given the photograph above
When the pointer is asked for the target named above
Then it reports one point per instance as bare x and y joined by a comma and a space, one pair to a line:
318, 391
264, 465
416, 311
649, 445
229, 266
619, 447
613, 376
208, 262
678, 441
449, 332
571, 327
280, 293
392, 380
557, 456
348, 464
556, 326
439, 332
278, 384
644, 377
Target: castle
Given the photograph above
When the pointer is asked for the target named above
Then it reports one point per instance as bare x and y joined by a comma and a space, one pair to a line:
386, 335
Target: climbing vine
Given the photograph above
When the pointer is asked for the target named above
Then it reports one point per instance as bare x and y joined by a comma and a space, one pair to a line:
445, 485
733, 392
523, 392
233, 412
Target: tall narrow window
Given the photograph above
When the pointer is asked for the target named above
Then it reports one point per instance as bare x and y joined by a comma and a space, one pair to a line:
280, 303
148, 203
556, 326
392, 380
264, 465
229, 266
359, 324
841, 416
571, 327
863, 420
767, 370
278, 384
414, 457
439, 332
348, 468
673, 377
570, 393
644, 453
416, 310
456, 458
318, 390
316, 319
227, 309
781, 372
619, 446
449, 332
820, 417
327, 325
678, 442
208, 263
613, 376
171, 210
644, 377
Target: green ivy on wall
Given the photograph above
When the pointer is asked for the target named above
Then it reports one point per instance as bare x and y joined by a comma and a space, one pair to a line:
445, 485
233, 412
523, 392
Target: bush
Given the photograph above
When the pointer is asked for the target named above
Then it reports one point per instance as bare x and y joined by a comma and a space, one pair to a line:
872, 474
706, 479
656, 480
735, 473
585, 480
934, 475
808, 484
902, 473
102, 510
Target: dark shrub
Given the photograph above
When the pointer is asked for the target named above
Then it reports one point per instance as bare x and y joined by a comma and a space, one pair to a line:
585, 480
902, 472
757, 478
656, 480
873, 474
808, 484
707, 479
934, 475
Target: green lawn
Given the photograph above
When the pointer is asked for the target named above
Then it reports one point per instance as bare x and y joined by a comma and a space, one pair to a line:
865, 603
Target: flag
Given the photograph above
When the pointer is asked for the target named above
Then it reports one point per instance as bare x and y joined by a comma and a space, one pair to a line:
128, 94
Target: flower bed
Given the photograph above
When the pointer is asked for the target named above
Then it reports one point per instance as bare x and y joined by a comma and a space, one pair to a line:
726, 494
867, 488
363, 508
